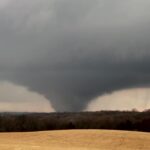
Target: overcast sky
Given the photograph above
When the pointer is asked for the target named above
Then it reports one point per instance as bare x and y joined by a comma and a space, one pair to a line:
73, 51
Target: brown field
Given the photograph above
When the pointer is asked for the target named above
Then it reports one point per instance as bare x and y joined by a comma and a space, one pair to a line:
75, 140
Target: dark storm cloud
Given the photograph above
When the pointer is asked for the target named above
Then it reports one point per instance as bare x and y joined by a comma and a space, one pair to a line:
74, 50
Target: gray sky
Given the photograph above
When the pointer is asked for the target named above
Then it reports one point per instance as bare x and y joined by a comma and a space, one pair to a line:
72, 51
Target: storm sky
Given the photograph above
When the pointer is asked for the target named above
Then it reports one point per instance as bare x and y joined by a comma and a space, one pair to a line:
73, 51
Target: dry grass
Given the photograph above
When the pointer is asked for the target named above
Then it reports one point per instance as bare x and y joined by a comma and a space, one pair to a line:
75, 140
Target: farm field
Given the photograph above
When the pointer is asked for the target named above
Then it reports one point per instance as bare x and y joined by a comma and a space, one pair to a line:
75, 140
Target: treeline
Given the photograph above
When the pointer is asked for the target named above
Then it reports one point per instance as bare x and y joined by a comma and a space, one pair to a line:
116, 120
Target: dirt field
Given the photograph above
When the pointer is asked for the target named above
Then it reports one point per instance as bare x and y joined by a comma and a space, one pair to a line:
75, 140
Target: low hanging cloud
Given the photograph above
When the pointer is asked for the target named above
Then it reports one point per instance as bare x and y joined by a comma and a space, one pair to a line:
129, 99
20, 99
73, 51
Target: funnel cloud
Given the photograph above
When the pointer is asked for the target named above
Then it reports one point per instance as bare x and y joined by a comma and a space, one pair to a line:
72, 51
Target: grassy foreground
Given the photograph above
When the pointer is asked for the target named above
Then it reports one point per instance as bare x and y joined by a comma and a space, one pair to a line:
75, 140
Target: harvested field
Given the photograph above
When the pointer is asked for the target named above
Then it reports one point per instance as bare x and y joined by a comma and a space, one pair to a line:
75, 140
